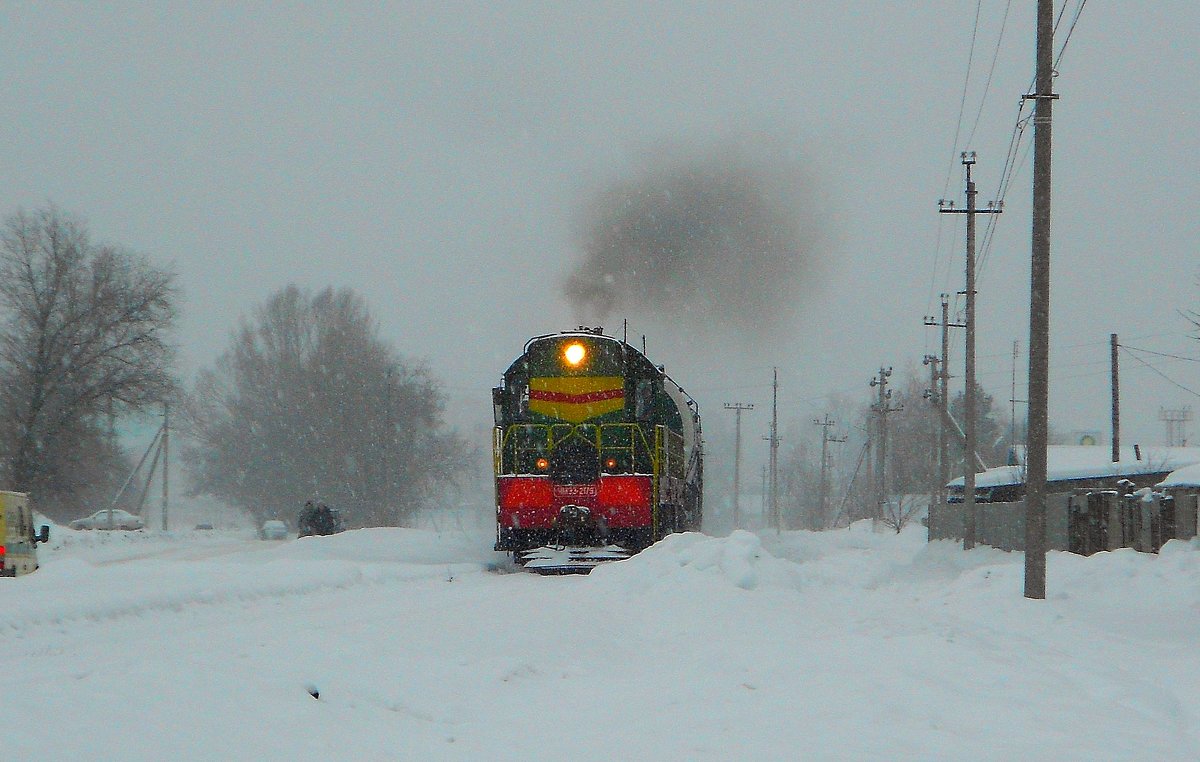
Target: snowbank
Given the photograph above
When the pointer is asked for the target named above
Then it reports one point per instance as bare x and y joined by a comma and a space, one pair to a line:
852, 644
693, 560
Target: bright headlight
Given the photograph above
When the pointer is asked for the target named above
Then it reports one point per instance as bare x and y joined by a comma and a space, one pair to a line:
574, 353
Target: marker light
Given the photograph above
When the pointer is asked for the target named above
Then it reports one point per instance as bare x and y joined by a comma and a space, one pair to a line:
611, 463
542, 464
574, 354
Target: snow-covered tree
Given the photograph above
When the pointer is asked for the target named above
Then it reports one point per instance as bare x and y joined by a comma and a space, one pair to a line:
309, 402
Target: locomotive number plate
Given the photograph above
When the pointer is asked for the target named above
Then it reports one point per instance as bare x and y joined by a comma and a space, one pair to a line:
575, 490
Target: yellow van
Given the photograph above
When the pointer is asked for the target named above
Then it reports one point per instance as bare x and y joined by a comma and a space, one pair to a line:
18, 543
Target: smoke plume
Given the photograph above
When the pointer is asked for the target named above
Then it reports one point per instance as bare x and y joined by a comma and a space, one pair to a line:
721, 238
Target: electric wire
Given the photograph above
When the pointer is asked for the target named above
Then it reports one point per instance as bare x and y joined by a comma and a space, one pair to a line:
1167, 378
1067, 39
1160, 354
1011, 168
962, 105
1012, 165
991, 70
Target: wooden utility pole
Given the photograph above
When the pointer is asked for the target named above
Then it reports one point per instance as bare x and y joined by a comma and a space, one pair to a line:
881, 409
968, 159
944, 397
1039, 310
1116, 401
737, 408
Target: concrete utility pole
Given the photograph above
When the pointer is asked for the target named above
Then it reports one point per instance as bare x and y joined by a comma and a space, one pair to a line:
764, 508
737, 408
881, 410
947, 207
1116, 402
1039, 311
773, 487
944, 396
166, 452
934, 395
820, 521
1012, 398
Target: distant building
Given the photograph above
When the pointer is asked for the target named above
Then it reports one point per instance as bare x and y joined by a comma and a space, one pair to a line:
1070, 467
1000, 492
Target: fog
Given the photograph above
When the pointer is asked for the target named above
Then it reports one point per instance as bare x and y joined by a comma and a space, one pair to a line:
748, 186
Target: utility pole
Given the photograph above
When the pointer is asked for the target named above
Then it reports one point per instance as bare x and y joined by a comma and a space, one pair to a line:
737, 408
166, 450
947, 207
822, 517
1116, 401
881, 409
766, 518
1039, 310
1012, 398
771, 489
944, 397
389, 442
934, 395
774, 486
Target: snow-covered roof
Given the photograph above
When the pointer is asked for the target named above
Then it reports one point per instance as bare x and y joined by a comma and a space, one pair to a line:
1065, 462
1188, 476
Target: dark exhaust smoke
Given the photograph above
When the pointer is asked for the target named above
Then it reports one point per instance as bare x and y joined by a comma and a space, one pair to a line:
721, 239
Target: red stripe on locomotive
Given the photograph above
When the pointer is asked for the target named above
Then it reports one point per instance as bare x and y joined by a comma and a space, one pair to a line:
576, 399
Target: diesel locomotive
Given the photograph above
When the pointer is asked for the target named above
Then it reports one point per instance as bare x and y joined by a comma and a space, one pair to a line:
597, 453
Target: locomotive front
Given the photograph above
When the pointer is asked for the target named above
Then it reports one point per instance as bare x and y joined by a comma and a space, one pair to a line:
596, 453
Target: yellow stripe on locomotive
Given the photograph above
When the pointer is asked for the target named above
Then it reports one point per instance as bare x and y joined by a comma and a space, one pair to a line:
576, 398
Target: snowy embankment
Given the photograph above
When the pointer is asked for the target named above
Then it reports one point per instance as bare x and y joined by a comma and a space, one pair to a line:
840, 645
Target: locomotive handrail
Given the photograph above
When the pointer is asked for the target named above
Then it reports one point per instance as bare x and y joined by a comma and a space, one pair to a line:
520, 439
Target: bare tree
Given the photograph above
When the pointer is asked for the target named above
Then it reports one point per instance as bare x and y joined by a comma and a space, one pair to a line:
913, 430
309, 403
899, 510
85, 336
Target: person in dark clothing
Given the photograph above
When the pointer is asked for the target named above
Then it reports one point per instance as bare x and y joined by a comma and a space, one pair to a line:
318, 519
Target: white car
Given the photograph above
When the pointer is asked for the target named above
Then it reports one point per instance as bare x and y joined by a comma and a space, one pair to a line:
273, 530
106, 519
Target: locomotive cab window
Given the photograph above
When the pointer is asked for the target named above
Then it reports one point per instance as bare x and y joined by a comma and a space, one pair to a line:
521, 399
498, 405
643, 398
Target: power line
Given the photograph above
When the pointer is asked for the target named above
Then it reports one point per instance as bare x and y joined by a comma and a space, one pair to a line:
991, 70
962, 105
1167, 378
1160, 354
1011, 166
1074, 21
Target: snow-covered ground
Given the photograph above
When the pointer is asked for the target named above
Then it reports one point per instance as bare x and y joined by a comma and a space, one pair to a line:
842, 645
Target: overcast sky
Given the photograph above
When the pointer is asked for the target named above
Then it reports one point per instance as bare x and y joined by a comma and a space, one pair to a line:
435, 156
